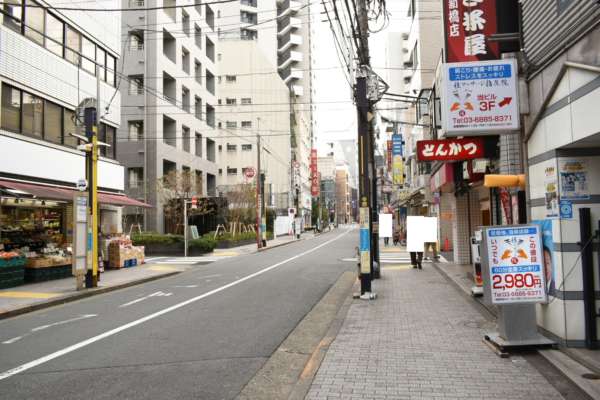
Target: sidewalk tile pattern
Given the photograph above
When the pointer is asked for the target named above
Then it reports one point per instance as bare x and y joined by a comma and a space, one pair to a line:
421, 340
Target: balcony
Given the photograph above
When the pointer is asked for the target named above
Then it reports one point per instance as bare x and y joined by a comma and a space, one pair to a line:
288, 23
248, 3
288, 40
287, 58
289, 74
169, 88
288, 7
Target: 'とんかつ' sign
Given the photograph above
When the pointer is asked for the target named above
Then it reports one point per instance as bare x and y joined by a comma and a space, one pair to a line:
516, 265
480, 97
468, 25
450, 149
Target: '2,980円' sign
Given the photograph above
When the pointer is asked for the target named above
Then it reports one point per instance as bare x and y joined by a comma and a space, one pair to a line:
516, 264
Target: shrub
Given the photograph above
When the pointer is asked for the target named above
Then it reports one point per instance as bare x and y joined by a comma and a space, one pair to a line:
152, 238
205, 244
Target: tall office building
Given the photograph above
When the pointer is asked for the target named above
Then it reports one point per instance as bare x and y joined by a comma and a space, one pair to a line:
294, 33
169, 113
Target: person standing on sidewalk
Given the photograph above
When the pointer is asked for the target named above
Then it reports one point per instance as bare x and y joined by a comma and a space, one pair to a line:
414, 240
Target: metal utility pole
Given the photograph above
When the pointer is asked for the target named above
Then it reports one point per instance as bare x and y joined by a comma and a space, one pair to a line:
258, 191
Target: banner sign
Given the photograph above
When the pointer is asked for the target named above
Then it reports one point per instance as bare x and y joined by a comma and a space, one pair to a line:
365, 240
389, 155
397, 161
480, 97
314, 174
516, 264
468, 25
450, 149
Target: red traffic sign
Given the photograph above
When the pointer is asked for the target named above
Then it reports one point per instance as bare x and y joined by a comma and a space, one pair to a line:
249, 172
194, 202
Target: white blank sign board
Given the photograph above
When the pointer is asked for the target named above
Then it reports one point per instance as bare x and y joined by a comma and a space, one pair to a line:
415, 234
385, 225
430, 227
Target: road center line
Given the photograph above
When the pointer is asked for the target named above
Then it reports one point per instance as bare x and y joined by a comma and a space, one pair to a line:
87, 342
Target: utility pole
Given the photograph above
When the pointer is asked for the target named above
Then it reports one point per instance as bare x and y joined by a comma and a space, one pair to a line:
365, 198
258, 192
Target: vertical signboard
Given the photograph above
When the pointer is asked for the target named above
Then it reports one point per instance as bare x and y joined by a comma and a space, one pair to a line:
388, 155
515, 258
314, 174
468, 25
397, 162
365, 241
480, 97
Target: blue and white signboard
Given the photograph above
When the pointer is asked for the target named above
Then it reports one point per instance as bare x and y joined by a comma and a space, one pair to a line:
566, 209
516, 263
480, 97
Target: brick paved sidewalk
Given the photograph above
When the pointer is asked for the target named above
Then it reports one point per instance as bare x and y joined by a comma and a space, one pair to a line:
420, 340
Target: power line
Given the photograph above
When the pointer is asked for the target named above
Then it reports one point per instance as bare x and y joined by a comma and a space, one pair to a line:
174, 6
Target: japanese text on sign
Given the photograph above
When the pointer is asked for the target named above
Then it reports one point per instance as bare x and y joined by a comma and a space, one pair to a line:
450, 150
516, 266
314, 174
468, 25
480, 97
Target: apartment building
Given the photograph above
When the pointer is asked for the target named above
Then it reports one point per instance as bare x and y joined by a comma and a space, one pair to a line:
294, 47
251, 20
253, 104
343, 201
48, 67
169, 116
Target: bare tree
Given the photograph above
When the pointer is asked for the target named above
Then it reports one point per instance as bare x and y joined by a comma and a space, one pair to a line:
241, 199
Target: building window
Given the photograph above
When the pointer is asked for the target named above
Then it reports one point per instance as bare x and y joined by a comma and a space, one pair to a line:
34, 22
246, 124
136, 130
185, 60
185, 22
52, 122
101, 61
11, 109
73, 43
231, 124
55, 38
12, 14
248, 34
246, 100
33, 116
249, 3
248, 17
231, 147
68, 128
198, 36
231, 171
198, 145
230, 101
88, 51
198, 107
230, 78
246, 147
135, 177
198, 71
108, 135
111, 68
186, 138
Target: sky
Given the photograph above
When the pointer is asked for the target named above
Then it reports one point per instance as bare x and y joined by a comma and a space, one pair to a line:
335, 114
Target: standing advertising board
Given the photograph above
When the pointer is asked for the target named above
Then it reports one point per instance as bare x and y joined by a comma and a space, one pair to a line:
480, 97
516, 264
314, 174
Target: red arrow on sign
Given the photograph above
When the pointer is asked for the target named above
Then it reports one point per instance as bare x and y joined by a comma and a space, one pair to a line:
505, 101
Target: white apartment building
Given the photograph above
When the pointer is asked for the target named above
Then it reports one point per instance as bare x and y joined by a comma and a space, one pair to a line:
294, 49
169, 101
253, 104
251, 20
48, 59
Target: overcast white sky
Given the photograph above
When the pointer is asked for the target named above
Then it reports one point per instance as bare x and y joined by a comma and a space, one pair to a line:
335, 114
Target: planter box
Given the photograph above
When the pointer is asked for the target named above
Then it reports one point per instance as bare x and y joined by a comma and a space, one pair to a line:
48, 273
12, 276
175, 250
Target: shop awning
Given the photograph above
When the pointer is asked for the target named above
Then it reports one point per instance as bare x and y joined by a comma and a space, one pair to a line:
47, 192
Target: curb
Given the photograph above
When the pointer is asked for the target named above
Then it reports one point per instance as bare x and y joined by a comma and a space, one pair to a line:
559, 359
80, 295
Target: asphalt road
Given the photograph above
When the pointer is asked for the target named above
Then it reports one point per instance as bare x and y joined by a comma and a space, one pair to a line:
202, 334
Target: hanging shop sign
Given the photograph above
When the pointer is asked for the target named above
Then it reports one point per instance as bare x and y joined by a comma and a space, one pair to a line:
468, 25
314, 174
450, 149
480, 97
515, 260
389, 155
397, 161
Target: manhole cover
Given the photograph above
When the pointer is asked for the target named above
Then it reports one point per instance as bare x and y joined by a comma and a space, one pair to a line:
591, 376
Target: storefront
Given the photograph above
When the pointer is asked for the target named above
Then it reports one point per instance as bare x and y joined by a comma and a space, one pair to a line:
36, 222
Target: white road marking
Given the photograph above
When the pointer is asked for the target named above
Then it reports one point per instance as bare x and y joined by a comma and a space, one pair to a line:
112, 332
159, 293
186, 286
151, 259
209, 276
41, 328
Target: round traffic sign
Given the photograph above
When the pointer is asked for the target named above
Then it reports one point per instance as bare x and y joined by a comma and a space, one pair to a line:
249, 172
